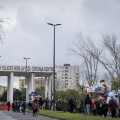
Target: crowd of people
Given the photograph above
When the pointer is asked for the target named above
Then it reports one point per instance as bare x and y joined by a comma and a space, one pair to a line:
95, 107
88, 106
20, 106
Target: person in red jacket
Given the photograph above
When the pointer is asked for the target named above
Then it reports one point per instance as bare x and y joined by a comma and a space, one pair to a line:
113, 106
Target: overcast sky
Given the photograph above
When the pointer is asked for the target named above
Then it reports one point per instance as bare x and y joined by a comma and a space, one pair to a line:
28, 34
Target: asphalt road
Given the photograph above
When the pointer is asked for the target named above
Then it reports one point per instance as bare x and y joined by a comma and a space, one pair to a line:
10, 115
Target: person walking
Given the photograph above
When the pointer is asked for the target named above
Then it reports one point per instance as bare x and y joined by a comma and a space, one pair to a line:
29, 106
40, 103
88, 104
82, 107
99, 108
94, 108
113, 106
8, 104
34, 106
105, 109
74, 106
13, 106
71, 105
24, 107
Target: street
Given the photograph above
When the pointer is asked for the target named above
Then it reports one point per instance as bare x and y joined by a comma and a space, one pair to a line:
10, 115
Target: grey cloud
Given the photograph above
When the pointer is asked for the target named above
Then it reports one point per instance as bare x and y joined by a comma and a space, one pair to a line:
32, 37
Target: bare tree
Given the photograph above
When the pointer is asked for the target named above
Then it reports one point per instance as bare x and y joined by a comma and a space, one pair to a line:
84, 48
111, 59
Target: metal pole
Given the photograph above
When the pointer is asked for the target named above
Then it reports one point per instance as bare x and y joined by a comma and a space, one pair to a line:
54, 69
51, 89
53, 63
26, 67
41, 82
26, 73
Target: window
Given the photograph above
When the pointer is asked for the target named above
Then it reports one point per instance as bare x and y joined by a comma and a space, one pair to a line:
66, 77
66, 70
66, 67
66, 80
62, 77
66, 85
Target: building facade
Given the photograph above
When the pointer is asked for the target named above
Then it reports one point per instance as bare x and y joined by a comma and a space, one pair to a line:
2, 89
67, 77
38, 83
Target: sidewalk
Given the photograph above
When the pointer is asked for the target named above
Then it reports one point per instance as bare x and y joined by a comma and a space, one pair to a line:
10, 115
4, 116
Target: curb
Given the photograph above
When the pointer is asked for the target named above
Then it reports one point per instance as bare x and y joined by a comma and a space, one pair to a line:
51, 117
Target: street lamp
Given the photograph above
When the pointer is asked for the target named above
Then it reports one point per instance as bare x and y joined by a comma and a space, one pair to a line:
54, 61
26, 66
26, 70
41, 82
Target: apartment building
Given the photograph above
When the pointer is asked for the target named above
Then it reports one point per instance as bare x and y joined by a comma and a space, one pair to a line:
67, 77
2, 89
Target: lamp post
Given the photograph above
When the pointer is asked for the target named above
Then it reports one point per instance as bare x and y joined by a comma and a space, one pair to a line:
26, 66
26, 71
54, 61
41, 82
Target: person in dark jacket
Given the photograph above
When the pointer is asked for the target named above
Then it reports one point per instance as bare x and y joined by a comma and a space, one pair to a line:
71, 105
105, 109
8, 104
82, 107
29, 106
88, 103
41, 103
113, 106
24, 107
99, 107
13, 106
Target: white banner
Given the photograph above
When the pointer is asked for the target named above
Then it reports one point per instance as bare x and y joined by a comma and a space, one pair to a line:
18, 68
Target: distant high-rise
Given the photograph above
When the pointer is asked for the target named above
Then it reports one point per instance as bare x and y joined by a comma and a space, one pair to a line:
67, 77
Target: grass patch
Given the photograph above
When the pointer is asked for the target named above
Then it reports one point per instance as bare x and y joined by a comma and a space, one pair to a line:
70, 116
